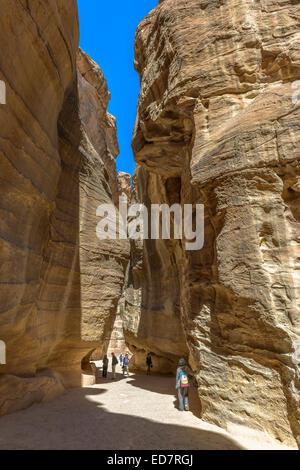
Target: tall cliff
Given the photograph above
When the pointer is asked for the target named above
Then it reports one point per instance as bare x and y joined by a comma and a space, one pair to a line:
151, 315
59, 284
216, 125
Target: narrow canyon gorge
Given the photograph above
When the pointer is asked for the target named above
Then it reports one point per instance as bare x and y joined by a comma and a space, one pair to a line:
216, 125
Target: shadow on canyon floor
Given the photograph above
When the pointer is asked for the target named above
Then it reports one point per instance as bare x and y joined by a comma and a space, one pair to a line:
159, 386
101, 380
79, 420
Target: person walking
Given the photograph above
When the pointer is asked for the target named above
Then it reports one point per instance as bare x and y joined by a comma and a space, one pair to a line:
114, 362
126, 364
149, 363
121, 359
105, 366
182, 384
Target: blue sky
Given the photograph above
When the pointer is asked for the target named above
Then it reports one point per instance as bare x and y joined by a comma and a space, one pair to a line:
107, 30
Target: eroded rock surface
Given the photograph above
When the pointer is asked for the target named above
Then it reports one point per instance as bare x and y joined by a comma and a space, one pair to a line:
217, 125
152, 311
59, 285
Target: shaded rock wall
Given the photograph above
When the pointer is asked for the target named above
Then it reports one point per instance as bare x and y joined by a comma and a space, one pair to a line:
152, 310
216, 125
59, 286
104, 263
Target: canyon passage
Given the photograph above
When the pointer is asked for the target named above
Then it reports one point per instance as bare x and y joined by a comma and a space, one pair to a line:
217, 125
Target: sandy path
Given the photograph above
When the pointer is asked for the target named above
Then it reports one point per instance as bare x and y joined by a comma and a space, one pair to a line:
132, 413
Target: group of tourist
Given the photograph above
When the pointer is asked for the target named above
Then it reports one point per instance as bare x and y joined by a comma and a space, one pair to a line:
182, 375
124, 362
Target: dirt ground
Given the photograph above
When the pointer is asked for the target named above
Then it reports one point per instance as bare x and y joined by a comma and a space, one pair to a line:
137, 412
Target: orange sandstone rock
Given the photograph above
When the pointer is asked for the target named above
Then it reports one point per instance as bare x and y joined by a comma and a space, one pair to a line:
217, 125
59, 285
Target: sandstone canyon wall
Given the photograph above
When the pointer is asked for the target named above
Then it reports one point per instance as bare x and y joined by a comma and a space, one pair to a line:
152, 320
216, 125
59, 285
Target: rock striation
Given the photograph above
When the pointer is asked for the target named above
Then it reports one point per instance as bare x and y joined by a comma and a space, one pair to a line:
117, 342
151, 317
217, 125
59, 285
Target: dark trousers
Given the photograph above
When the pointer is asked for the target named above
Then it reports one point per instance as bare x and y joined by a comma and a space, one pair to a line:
148, 369
104, 372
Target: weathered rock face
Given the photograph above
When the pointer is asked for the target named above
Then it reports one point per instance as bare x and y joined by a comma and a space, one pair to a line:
103, 263
117, 342
59, 284
152, 311
217, 125
124, 180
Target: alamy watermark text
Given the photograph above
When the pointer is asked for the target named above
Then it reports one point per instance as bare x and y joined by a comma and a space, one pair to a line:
137, 223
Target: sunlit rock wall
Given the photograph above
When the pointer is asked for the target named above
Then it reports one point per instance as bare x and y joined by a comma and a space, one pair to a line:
217, 125
59, 285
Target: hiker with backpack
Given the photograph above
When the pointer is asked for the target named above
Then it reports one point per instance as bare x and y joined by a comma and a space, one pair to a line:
126, 364
182, 384
114, 362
